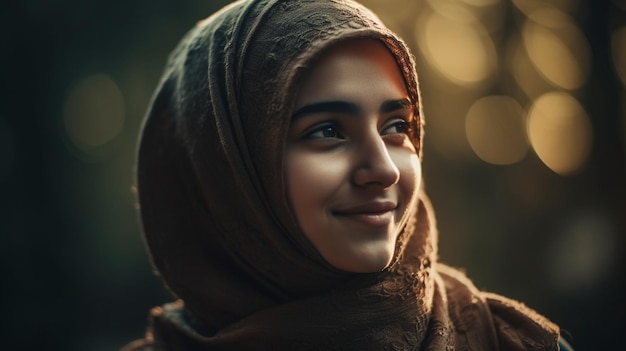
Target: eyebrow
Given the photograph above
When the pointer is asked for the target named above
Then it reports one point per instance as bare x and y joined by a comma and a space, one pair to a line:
345, 107
393, 105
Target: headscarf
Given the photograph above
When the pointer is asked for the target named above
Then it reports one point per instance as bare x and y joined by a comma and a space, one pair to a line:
219, 227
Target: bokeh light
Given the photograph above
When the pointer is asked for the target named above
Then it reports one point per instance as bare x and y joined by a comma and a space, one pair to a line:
557, 48
618, 46
530, 6
94, 112
526, 75
481, 3
453, 10
457, 46
496, 131
489, 13
560, 132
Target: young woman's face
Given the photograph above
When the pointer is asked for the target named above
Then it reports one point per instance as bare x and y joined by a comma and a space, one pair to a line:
351, 168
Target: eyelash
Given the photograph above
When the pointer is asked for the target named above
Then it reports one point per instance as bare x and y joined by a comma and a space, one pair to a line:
323, 129
404, 125
334, 128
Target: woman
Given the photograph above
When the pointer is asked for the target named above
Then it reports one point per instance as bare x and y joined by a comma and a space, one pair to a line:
280, 188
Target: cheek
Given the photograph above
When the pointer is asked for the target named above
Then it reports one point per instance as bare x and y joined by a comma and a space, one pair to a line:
312, 179
410, 175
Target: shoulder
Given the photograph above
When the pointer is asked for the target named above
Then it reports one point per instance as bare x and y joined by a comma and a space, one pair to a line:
516, 326
517, 323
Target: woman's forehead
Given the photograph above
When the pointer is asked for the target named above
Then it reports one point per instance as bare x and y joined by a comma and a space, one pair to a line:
351, 71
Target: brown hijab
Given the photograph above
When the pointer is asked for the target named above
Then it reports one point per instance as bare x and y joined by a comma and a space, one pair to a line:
223, 237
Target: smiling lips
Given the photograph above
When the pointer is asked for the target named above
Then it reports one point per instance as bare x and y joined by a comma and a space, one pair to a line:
375, 214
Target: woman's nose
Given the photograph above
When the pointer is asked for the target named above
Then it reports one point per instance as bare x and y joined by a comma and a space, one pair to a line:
374, 165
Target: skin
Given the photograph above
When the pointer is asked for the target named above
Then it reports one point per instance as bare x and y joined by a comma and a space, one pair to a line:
352, 171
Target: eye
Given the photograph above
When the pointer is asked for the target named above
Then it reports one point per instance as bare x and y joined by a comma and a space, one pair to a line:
325, 132
398, 126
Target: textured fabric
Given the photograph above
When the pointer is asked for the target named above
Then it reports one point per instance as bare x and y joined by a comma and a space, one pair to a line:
221, 234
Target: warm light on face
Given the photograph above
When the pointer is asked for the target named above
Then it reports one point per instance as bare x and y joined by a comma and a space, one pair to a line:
352, 171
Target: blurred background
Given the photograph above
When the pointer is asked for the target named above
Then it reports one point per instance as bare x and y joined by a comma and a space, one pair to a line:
525, 157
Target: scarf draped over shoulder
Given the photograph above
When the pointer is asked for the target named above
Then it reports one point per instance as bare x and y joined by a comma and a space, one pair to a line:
218, 224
